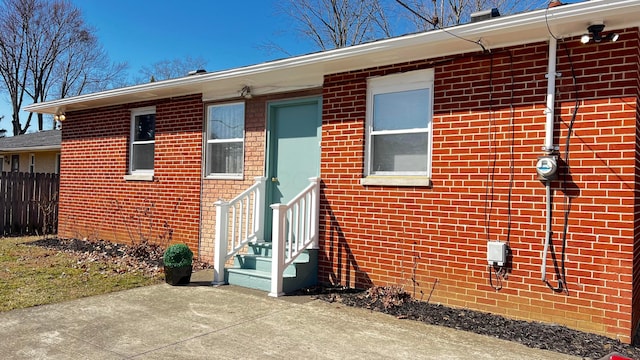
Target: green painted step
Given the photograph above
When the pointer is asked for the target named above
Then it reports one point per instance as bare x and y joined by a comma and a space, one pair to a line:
253, 270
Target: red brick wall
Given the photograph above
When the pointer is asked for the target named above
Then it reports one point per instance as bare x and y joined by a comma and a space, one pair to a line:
435, 237
95, 200
636, 244
254, 164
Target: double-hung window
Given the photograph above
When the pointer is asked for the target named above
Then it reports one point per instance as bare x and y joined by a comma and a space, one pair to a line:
225, 140
399, 129
143, 135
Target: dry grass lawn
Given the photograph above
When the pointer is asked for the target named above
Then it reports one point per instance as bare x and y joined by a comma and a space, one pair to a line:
32, 275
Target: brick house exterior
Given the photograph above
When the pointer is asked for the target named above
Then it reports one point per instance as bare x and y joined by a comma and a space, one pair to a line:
432, 240
97, 202
487, 132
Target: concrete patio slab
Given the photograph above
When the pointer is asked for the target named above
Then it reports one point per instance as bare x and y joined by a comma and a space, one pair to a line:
205, 322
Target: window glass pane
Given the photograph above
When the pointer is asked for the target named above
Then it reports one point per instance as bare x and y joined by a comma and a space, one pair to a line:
401, 110
143, 156
400, 152
145, 127
15, 163
225, 158
226, 122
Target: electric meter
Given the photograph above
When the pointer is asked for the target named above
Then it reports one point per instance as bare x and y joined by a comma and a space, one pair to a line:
547, 167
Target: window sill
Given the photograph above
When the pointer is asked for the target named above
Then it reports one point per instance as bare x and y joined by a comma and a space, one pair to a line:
138, 177
396, 180
223, 177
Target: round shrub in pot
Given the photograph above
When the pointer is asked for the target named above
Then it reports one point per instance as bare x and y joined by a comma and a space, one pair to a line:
177, 259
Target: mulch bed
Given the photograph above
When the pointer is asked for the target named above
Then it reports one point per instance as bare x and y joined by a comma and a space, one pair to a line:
395, 301
143, 256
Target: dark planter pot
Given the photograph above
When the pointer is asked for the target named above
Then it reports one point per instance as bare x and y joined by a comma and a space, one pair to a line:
178, 275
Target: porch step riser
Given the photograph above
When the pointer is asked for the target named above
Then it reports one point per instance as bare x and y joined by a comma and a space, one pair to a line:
260, 263
255, 272
265, 249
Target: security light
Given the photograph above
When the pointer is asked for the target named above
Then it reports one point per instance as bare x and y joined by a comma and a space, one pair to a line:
595, 33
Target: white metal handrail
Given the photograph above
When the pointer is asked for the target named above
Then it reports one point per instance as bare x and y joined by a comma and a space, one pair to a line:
295, 228
238, 222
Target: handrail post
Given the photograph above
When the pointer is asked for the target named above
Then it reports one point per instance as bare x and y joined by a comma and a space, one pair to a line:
221, 241
315, 216
277, 243
259, 204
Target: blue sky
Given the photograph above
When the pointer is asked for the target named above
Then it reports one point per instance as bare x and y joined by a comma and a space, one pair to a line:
226, 34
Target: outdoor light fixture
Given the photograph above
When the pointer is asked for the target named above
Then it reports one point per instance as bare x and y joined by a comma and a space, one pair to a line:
59, 117
246, 92
595, 33
585, 39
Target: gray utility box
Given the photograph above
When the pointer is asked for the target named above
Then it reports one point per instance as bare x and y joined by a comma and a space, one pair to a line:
496, 253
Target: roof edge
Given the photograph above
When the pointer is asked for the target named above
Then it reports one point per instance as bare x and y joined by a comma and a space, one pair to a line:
555, 19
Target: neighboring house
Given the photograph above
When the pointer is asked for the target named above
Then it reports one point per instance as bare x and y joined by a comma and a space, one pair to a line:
426, 147
37, 152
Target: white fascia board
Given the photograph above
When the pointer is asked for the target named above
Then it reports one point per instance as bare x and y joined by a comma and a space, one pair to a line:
307, 71
30, 148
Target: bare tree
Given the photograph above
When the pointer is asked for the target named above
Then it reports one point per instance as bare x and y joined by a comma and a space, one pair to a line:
86, 68
3, 132
43, 43
14, 27
338, 23
169, 69
430, 14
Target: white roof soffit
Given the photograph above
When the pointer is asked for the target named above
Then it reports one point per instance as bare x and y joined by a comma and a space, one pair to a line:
307, 71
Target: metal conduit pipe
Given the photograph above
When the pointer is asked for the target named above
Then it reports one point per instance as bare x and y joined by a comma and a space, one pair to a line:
549, 233
551, 96
548, 146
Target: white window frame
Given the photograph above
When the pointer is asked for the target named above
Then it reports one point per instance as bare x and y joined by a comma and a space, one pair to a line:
57, 167
141, 174
15, 168
235, 176
32, 163
413, 80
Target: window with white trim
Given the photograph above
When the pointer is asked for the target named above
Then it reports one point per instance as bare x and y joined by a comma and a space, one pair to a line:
15, 163
399, 126
32, 163
57, 169
225, 140
143, 135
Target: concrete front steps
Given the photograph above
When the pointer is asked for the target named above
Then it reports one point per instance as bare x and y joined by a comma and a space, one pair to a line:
253, 269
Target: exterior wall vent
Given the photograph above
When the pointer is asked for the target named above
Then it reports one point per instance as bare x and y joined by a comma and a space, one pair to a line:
484, 15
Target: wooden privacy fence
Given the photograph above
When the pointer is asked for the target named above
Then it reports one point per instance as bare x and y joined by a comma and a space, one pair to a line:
28, 203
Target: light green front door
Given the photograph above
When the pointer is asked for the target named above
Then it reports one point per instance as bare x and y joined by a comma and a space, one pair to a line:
294, 131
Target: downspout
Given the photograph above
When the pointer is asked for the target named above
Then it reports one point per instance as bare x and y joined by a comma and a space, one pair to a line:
548, 146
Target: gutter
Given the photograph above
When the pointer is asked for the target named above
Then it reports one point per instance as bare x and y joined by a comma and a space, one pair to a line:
31, 148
